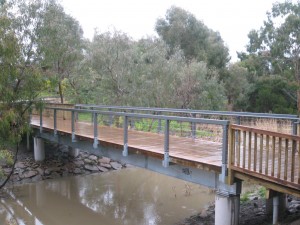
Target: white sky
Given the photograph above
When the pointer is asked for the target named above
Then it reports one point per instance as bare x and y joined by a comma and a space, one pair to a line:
232, 18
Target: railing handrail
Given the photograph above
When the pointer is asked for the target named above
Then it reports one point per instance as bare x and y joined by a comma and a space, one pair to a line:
192, 111
149, 116
265, 132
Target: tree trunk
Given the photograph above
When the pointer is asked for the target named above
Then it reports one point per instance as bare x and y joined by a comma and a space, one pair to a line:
60, 93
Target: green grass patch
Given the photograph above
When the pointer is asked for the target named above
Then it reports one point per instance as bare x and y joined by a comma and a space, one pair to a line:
245, 197
84, 117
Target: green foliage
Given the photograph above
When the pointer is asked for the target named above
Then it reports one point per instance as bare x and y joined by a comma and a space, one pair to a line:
274, 49
60, 43
181, 29
20, 78
268, 95
237, 86
245, 197
262, 191
7, 156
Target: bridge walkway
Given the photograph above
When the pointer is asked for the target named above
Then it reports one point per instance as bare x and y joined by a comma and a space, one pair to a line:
197, 153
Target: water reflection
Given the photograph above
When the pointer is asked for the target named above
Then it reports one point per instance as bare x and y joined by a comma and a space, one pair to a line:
132, 196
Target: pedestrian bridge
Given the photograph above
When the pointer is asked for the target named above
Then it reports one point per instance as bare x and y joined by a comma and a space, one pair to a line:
210, 148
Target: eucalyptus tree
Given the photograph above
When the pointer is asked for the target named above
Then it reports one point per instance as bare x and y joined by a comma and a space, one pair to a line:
111, 57
237, 86
155, 72
20, 75
277, 42
181, 29
60, 43
198, 87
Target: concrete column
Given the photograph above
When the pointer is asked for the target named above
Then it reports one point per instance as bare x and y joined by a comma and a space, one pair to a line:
39, 149
227, 210
73, 152
27, 141
280, 205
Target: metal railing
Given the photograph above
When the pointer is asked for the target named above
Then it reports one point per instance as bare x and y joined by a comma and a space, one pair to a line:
126, 116
194, 113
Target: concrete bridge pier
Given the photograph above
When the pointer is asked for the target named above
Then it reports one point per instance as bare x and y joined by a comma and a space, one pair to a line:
227, 209
276, 204
39, 149
227, 204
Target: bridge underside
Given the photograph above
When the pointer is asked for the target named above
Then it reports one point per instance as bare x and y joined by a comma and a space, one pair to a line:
202, 176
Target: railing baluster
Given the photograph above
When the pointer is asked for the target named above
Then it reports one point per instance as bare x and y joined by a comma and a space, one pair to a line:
159, 124
193, 126
233, 147
255, 152
125, 126
238, 147
273, 155
73, 127
132, 121
267, 154
298, 162
294, 127
95, 116
261, 148
110, 118
286, 158
244, 148
55, 122
249, 150
41, 120
294, 143
279, 158
166, 144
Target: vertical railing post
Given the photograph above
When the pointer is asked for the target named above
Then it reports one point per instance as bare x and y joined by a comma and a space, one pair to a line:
55, 122
110, 118
294, 127
76, 113
73, 127
159, 124
225, 152
131, 121
166, 144
193, 126
238, 122
92, 119
125, 125
41, 120
95, 116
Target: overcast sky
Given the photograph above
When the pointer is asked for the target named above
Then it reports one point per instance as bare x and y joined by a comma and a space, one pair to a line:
232, 18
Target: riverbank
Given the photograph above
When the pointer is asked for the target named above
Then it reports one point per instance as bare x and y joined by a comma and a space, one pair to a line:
252, 212
58, 163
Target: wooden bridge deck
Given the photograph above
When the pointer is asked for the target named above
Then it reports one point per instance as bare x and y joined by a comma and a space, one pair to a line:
195, 153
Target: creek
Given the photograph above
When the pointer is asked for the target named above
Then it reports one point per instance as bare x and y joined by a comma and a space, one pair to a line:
131, 196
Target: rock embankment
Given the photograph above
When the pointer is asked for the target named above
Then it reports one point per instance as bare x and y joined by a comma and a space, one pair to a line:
58, 163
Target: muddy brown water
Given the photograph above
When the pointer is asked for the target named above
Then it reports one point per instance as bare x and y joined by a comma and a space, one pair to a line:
133, 196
